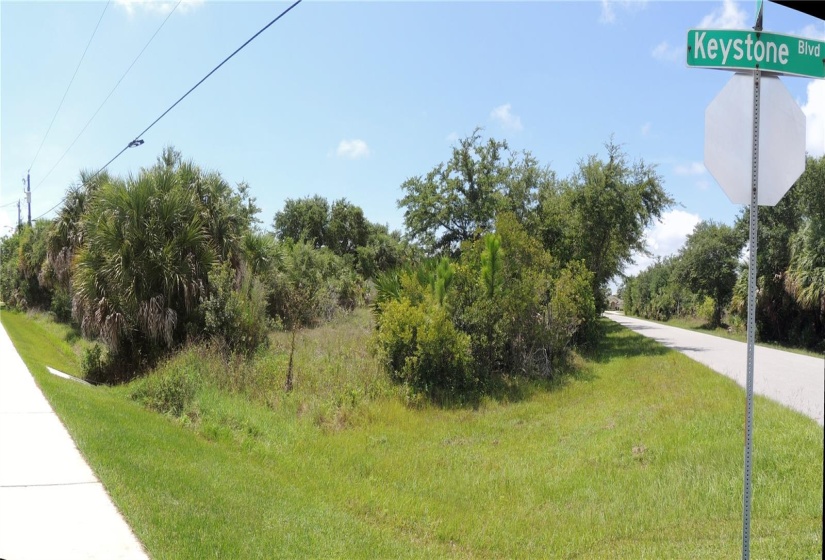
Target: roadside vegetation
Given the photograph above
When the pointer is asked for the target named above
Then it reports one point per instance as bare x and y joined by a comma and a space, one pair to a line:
501, 272
635, 454
330, 388
707, 281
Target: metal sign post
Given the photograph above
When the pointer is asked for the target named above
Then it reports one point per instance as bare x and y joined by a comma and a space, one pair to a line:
754, 209
733, 138
754, 215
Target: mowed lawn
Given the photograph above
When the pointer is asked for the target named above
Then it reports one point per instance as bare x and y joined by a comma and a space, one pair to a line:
636, 455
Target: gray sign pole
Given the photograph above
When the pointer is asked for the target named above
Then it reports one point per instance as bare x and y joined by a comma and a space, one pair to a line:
726, 148
754, 209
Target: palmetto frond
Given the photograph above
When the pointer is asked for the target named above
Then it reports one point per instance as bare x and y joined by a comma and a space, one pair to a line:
805, 278
146, 255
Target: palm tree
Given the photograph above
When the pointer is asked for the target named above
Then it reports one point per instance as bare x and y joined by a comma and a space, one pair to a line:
805, 277
66, 235
144, 260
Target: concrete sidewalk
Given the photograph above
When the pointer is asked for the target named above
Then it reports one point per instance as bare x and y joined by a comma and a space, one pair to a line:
52, 506
791, 379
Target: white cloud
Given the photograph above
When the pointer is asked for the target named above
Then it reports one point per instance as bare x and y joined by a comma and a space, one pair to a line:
666, 52
665, 238
690, 168
814, 109
728, 16
352, 149
452, 137
160, 7
504, 116
668, 234
608, 14
646, 128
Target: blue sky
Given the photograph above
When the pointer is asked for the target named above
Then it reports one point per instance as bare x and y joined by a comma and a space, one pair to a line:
350, 99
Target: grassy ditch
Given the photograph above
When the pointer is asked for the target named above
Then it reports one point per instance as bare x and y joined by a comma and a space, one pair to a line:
638, 454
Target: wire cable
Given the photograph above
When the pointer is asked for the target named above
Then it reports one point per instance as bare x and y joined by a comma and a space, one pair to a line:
90, 179
264, 28
11, 202
107, 98
69, 86
138, 141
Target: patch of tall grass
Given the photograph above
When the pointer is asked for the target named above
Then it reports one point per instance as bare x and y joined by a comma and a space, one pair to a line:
336, 378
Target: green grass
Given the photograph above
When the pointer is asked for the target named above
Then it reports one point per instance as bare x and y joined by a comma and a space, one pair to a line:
55, 345
739, 335
638, 454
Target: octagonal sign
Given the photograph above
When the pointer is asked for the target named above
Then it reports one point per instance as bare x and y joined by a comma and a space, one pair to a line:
729, 135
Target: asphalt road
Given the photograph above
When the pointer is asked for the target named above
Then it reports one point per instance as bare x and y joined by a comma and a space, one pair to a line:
793, 380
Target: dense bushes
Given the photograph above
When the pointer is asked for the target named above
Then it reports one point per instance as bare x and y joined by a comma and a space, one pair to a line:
235, 310
517, 263
598, 215
572, 308
422, 348
708, 276
698, 281
172, 254
308, 285
341, 228
172, 388
10, 278
23, 283
790, 265
503, 308
656, 293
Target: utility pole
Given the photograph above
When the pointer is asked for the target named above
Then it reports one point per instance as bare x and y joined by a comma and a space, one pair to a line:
29, 195
19, 218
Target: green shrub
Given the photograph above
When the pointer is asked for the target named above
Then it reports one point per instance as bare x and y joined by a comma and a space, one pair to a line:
505, 307
235, 310
387, 288
502, 292
422, 348
61, 304
93, 362
171, 389
22, 256
706, 310
573, 304
383, 252
397, 332
348, 289
310, 285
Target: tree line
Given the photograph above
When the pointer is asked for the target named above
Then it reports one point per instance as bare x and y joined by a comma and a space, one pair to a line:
708, 277
501, 270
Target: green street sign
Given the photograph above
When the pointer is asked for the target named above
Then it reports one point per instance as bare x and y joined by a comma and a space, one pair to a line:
735, 49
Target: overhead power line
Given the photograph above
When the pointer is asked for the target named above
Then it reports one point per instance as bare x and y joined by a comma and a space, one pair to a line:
42, 180
138, 141
239, 49
69, 86
132, 144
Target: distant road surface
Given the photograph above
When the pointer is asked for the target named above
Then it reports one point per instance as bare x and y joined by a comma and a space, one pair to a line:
794, 380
